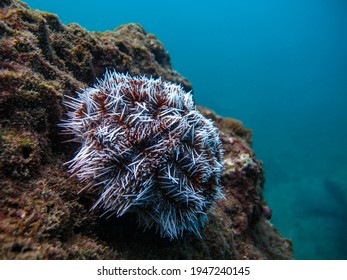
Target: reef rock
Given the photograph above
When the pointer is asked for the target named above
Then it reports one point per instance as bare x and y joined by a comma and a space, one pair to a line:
43, 215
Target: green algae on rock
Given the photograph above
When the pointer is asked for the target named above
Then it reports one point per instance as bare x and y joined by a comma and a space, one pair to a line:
43, 216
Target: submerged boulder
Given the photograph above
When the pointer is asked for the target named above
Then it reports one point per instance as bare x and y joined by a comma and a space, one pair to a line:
43, 215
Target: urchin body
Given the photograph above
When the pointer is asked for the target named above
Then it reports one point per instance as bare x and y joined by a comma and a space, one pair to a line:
148, 150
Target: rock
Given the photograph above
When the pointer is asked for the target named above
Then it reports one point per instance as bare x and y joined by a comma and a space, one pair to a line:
43, 215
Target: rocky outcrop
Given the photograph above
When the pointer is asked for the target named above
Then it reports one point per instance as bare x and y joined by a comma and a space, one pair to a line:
43, 215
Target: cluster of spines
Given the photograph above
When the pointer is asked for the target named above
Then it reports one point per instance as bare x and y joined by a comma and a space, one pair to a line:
148, 150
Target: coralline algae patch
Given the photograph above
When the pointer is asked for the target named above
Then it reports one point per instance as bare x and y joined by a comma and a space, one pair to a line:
148, 150
243, 161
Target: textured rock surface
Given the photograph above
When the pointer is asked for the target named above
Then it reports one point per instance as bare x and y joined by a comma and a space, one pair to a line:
42, 215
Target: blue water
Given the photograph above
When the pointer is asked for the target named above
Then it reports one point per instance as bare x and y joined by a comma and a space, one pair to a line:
281, 68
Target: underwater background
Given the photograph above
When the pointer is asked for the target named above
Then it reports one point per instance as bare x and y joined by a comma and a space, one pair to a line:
278, 66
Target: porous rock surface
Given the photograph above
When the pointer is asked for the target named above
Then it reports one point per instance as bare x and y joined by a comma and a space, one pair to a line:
41, 212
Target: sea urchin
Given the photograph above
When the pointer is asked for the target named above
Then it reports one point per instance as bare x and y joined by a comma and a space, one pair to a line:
147, 149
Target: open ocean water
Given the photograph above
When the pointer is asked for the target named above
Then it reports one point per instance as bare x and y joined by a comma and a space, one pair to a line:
278, 66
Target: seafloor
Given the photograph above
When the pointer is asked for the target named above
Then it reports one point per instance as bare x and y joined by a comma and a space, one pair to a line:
43, 215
